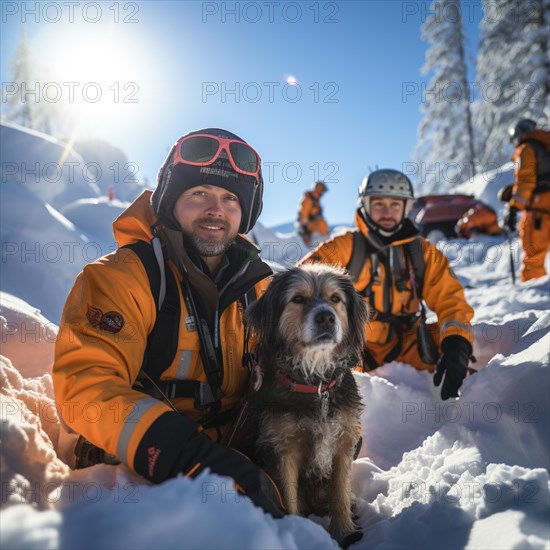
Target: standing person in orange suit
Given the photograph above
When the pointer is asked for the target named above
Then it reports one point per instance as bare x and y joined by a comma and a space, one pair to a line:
310, 216
531, 195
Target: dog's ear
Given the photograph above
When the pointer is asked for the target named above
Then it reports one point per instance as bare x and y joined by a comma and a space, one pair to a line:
262, 315
358, 315
253, 315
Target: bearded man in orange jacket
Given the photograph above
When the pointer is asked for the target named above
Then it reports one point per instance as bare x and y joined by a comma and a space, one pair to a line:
531, 195
387, 277
164, 420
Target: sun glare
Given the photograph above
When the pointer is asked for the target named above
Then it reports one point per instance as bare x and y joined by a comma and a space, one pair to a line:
98, 75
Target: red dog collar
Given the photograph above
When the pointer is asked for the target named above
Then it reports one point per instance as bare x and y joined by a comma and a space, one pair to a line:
304, 388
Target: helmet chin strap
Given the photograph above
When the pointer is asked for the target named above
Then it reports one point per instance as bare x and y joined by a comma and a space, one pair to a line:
386, 233
378, 228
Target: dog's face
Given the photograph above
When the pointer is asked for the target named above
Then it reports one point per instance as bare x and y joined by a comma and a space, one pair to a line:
314, 311
311, 309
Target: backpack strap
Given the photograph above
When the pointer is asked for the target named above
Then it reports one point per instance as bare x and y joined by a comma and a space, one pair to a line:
162, 342
359, 254
542, 155
415, 253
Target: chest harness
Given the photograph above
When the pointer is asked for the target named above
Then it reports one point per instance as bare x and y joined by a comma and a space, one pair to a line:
402, 264
162, 342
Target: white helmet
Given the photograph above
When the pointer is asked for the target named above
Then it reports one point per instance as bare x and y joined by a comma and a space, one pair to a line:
386, 183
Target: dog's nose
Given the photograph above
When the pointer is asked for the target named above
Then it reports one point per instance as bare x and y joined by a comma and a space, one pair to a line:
325, 320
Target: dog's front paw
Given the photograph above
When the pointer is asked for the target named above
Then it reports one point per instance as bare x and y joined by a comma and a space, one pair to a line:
351, 538
345, 535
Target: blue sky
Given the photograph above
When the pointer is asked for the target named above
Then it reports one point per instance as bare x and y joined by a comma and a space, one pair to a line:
166, 68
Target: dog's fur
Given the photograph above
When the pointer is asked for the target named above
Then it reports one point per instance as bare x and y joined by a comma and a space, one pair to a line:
310, 326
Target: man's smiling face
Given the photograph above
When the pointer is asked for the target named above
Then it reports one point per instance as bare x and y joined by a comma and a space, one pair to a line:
210, 216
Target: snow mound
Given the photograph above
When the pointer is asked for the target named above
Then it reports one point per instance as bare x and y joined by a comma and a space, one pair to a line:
95, 218
50, 169
30, 425
41, 246
112, 171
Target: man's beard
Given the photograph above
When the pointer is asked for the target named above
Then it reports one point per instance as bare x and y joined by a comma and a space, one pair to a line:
391, 227
216, 247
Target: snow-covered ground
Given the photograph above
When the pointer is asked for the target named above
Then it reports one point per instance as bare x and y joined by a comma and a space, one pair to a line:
466, 473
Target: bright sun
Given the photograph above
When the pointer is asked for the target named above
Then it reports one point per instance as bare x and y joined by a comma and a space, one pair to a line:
99, 75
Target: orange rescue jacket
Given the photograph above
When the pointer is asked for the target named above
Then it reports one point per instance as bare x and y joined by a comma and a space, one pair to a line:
442, 291
527, 173
103, 336
310, 215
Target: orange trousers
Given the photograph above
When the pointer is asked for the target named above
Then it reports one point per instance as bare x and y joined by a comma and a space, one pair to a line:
534, 232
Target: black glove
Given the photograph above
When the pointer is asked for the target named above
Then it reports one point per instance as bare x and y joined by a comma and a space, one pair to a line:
200, 453
453, 363
510, 220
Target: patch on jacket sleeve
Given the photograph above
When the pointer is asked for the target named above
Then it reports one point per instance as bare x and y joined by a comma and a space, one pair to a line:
112, 321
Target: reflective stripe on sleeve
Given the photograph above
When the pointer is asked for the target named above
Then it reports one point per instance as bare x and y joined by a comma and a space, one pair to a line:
461, 326
130, 424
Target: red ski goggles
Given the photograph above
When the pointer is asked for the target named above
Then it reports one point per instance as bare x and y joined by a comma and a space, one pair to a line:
204, 149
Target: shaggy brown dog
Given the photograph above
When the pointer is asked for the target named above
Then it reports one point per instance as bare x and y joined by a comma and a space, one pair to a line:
309, 328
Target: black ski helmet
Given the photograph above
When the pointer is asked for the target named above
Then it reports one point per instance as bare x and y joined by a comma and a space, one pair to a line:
173, 180
524, 126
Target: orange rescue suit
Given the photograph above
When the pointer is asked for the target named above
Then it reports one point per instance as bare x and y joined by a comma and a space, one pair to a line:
534, 225
442, 293
311, 214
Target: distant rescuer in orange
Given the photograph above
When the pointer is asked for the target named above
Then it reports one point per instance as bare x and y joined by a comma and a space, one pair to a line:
479, 220
310, 215
152, 334
395, 269
531, 195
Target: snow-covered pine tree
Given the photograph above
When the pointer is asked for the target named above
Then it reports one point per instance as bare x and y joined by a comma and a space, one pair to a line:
445, 150
18, 105
513, 70
26, 104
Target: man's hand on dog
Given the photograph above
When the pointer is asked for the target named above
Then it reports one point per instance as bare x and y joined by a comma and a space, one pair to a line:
200, 453
452, 365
